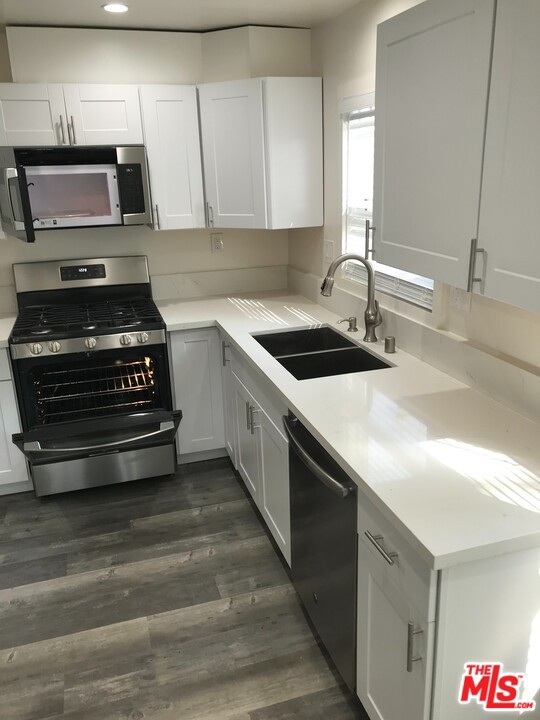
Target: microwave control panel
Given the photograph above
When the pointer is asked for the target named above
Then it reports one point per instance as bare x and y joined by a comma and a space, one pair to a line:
130, 187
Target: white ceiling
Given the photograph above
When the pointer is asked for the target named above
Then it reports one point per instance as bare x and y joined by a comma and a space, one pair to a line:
172, 14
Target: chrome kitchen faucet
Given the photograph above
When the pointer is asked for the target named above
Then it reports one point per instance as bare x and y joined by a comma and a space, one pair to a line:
372, 315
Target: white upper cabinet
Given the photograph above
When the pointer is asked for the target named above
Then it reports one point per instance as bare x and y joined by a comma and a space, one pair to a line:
433, 65
233, 153
262, 152
32, 114
509, 228
171, 136
103, 114
39, 114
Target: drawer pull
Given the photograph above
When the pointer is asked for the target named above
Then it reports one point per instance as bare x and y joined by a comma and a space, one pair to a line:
411, 658
224, 358
375, 540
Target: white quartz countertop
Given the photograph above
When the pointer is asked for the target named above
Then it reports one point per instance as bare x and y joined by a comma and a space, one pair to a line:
457, 473
6, 323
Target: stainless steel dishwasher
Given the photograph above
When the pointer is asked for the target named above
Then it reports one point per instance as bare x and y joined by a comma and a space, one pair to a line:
324, 544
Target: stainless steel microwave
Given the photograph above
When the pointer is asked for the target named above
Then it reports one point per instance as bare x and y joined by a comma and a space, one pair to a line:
52, 188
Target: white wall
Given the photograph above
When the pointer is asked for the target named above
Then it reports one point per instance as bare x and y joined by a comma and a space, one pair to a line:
255, 52
343, 52
40, 54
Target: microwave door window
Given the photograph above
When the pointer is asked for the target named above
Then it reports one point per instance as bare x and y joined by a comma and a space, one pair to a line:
73, 196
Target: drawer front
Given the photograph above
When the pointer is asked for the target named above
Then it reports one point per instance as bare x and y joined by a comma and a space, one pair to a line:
396, 563
5, 371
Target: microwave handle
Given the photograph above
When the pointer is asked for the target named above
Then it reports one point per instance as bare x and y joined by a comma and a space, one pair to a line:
15, 179
12, 174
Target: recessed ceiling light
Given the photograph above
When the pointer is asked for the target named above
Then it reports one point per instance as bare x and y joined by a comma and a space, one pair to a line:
115, 7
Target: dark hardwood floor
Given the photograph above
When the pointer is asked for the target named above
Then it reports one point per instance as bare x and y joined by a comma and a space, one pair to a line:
154, 600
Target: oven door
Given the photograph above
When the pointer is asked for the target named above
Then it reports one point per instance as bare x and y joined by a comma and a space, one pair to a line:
88, 453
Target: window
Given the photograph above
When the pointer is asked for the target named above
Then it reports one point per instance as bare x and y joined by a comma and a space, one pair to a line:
358, 154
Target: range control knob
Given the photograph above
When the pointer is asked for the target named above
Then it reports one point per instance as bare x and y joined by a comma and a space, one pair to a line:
142, 337
125, 339
90, 343
36, 348
54, 346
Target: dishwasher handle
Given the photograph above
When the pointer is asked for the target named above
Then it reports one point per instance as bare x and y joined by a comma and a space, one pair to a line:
331, 483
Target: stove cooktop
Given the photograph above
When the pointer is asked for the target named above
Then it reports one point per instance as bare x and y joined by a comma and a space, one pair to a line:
57, 322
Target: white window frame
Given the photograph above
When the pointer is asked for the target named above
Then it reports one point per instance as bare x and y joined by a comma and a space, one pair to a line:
391, 281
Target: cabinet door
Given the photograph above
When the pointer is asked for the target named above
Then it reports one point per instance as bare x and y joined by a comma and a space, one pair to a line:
274, 500
233, 153
197, 389
385, 687
12, 462
294, 151
510, 210
248, 460
32, 114
433, 64
171, 136
103, 114
229, 407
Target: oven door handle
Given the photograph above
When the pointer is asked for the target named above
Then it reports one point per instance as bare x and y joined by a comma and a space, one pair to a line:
35, 446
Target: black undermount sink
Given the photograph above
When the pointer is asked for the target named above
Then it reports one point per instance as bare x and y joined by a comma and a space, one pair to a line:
318, 352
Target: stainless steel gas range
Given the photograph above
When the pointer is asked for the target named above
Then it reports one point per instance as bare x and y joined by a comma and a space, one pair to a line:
90, 364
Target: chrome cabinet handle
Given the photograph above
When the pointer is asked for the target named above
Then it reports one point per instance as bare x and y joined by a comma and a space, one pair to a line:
36, 445
62, 130
248, 416
73, 130
472, 264
411, 657
156, 213
224, 358
251, 423
210, 213
375, 540
367, 249
321, 474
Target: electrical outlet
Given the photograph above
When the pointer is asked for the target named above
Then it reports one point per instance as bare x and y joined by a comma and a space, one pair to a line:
328, 250
216, 241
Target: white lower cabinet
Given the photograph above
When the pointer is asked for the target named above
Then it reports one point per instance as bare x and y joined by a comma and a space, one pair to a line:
248, 458
274, 468
196, 372
228, 400
396, 628
13, 469
255, 441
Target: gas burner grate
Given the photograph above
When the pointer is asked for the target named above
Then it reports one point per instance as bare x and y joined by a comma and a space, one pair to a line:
68, 319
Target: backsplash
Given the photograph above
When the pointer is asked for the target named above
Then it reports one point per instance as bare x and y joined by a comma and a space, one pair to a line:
180, 261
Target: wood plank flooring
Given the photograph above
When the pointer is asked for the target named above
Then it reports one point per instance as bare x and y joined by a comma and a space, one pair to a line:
154, 600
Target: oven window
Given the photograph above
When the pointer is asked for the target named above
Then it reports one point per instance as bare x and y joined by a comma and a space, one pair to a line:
91, 389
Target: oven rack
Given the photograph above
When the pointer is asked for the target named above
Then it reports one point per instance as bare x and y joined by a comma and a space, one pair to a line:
66, 394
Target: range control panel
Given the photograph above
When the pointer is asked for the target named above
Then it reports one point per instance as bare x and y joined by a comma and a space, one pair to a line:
82, 272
